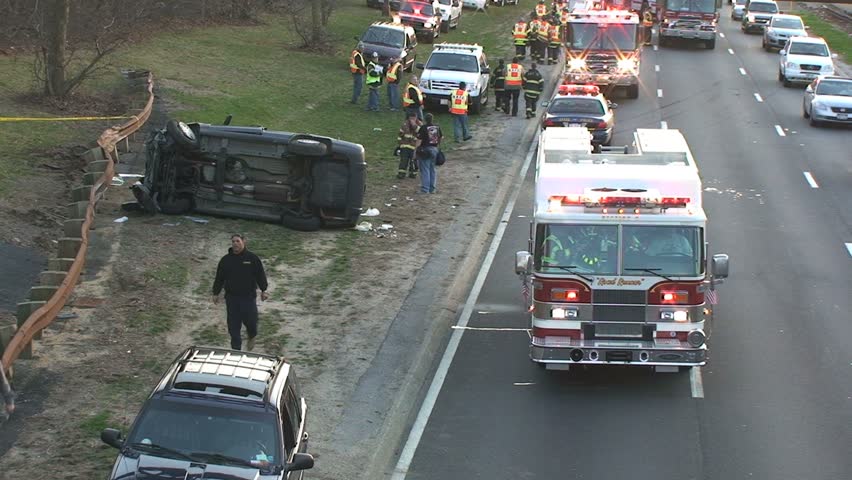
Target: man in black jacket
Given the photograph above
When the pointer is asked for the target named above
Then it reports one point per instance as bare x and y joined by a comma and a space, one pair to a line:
241, 273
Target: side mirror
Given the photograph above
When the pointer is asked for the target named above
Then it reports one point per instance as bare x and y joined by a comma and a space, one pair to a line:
523, 262
833, 55
486, 71
779, 11
807, 27
545, 104
112, 437
419, 65
301, 461
612, 106
782, 52
719, 265
809, 89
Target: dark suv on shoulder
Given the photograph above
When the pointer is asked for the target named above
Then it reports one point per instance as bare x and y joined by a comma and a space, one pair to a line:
302, 181
218, 413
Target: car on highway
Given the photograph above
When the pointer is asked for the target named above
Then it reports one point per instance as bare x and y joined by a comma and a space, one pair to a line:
451, 11
803, 59
302, 181
389, 40
218, 413
424, 17
757, 14
578, 106
828, 99
780, 29
738, 9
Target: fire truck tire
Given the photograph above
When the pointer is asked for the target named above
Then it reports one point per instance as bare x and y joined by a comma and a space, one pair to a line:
711, 44
632, 91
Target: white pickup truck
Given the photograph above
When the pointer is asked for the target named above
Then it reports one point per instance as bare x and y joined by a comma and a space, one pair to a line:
451, 11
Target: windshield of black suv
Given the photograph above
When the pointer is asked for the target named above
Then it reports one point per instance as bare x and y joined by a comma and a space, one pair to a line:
453, 62
588, 106
598, 249
814, 49
835, 87
198, 430
389, 37
791, 23
589, 36
701, 6
418, 9
763, 7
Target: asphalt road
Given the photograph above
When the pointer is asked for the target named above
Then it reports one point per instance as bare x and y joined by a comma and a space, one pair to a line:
777, 392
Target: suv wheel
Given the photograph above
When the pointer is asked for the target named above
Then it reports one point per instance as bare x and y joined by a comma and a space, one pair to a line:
476, 104
445, 26
633, 91
183, 136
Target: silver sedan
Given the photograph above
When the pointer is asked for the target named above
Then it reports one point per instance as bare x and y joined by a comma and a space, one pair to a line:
828, 99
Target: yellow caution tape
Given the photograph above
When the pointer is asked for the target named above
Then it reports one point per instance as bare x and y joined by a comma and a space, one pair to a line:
55, 119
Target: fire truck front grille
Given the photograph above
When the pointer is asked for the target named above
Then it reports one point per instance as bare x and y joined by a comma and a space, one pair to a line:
619, 297
614, 313
601, 63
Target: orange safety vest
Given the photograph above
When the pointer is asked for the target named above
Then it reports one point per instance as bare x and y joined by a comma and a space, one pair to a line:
407, 101
520, 31
458, 102
647, 20
564, 17
353, 62
514, 74
544, 31
554, 34
541, 9
392, 75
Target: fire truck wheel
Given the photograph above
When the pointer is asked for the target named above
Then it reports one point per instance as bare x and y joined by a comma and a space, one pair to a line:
633, 91
711, 44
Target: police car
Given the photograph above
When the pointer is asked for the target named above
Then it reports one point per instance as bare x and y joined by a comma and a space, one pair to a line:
581, 105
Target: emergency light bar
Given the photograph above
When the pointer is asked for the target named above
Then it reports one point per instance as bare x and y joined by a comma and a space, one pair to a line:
592, 200
571, 89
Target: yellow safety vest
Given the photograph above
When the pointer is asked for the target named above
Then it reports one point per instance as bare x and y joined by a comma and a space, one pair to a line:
514, 74
554, 34
541, 9
392, 75
520, 31
353, 62
458, 102
564, 17
407, 101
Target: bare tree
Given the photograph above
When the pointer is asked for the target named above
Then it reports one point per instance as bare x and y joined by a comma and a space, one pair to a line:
310, 18
56, 35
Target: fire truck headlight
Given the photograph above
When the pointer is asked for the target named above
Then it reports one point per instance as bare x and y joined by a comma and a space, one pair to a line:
558, 313
681, 316
627, 65
577, 64
750, 17
695, 338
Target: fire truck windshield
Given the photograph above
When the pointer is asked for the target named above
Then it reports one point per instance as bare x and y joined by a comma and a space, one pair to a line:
700, 6
594, 36
620, 249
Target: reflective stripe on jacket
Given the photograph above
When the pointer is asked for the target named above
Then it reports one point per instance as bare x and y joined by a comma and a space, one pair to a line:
514, 75
393, 75
356, 62
519, 33
407, 101
458, 102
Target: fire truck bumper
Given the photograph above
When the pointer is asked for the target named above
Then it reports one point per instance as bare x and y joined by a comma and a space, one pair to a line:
688, 34
604, 80
600, 352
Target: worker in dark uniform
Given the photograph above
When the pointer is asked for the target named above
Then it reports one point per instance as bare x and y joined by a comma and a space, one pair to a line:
241, 274
498, 81
532, 89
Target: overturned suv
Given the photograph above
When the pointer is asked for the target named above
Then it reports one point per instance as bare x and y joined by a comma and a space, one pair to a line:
302, 181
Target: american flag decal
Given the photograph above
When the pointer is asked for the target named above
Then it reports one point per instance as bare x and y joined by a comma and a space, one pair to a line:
525, 291
712, 297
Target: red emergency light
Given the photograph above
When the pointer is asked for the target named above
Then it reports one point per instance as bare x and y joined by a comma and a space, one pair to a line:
569, 89
674, 201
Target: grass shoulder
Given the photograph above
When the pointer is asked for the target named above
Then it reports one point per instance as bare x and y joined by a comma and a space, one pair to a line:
838, 41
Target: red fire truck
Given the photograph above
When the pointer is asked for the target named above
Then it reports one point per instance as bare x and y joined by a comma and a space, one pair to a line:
694, 20
603, 48
618, 270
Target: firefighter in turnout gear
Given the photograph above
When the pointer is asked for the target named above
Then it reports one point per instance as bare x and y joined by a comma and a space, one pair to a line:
407, 142
555, 45
541, 9
520, 34
541, 41
555, 252
532, 89
647, 26
514, 80
358, 69
498, 81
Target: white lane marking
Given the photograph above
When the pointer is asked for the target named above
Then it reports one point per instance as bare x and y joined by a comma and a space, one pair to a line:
696, 382
731, 51
419, 426
655, 48
490, 329
656, 68
811, 180
523, 384
664, 125
660, 92
849, 249
780, 131
758, 97
721, 34
742, 71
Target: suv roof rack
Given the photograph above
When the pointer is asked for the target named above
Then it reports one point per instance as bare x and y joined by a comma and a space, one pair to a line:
227, 372
471, 47
383, 23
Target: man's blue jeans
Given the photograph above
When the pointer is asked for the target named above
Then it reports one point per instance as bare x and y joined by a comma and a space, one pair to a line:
460, 131
357, 86
428, 174
393, 96
373, 99
416, 110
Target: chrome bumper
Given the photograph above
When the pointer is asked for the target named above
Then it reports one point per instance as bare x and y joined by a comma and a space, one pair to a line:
601, 352
688, 33
602, 79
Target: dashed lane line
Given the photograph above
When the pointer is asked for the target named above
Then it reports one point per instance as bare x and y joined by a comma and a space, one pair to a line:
655, 48
721, 34
780, 131
656, 68
696, 382
810, 179
664, 125
659, 93
849, 248
758, 97
731, 51
742, 71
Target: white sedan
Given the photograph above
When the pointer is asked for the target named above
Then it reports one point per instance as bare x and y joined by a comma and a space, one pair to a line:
828, 99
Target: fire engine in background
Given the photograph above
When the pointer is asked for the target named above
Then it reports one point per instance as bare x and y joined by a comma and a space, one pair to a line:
694, 20
603, 48
617, 267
